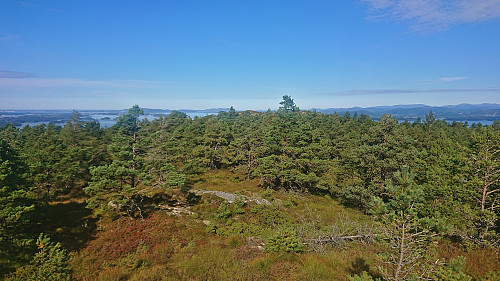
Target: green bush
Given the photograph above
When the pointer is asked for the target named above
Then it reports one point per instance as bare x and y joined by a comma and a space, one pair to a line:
494, 275
284, 241
227, 210
234, 228
238, 205
50, 263
271, 216
267, 194
224, 212
363, 277
211, 227
452, 272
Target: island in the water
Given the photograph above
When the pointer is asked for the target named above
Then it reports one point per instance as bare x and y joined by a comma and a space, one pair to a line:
485, 113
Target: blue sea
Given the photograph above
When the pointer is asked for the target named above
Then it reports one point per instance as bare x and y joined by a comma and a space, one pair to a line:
108, 120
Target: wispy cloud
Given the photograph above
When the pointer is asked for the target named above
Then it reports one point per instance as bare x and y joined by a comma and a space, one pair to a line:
286, 89
14, 74
34, 82
26, 4
412, 91
376, 92
9, 38
452, 79
434, 15
30, 5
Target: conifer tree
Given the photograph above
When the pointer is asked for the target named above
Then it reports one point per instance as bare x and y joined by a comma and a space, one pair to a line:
288, 105
15, 207
49, 263
116, 184
406, 235
484, 178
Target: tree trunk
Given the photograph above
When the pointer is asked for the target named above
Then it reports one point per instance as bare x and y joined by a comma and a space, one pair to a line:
401, 252
133, 153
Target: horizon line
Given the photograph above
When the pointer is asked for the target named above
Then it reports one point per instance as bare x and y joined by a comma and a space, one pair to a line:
220, 108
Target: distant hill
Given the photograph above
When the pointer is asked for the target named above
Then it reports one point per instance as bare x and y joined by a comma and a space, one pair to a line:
20, 118
461, 112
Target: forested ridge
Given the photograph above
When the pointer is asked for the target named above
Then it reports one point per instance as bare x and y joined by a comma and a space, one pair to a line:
316, 197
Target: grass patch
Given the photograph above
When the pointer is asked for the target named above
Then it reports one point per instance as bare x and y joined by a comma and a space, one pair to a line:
222, 180
223, 241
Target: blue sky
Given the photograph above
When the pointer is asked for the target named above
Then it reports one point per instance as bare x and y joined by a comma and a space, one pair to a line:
247, 54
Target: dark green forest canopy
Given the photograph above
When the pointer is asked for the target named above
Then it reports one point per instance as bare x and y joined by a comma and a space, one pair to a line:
455, 168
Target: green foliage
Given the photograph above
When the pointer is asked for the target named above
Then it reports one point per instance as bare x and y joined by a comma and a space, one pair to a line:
288, 105
363, 277
483, 176
271, 216
267, 194
211, 227
453, 271
230, 228
118, 183
164, 176
430, 118
15, 207
224, 212
293, 158
351, 159
238, 205
261, 221
58, 159
128, 122
227, 210
495, 275
407, 236
284, 241
50, 263
291, 200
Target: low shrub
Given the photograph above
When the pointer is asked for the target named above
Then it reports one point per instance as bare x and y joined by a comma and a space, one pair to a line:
284, 241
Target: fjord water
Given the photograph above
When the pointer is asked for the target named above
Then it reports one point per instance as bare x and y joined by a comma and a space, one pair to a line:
108, 120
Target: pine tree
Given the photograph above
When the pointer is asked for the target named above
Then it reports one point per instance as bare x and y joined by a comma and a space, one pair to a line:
15, 207
406, 235
484, 178
288, 105
50, 263
117, 183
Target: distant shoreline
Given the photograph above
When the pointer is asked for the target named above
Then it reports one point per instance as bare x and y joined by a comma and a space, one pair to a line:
485, 114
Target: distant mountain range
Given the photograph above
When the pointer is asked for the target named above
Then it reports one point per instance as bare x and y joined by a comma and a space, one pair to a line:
411, 112
461, 112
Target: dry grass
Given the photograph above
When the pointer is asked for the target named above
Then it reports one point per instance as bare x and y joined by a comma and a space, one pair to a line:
222, 180
164, 247
478, 261
327, 209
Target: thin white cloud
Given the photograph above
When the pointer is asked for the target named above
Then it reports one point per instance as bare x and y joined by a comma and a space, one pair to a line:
412, 91
453, 79
286, 89
16, 83
9, 38
26, 4
14, 74
432, 15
